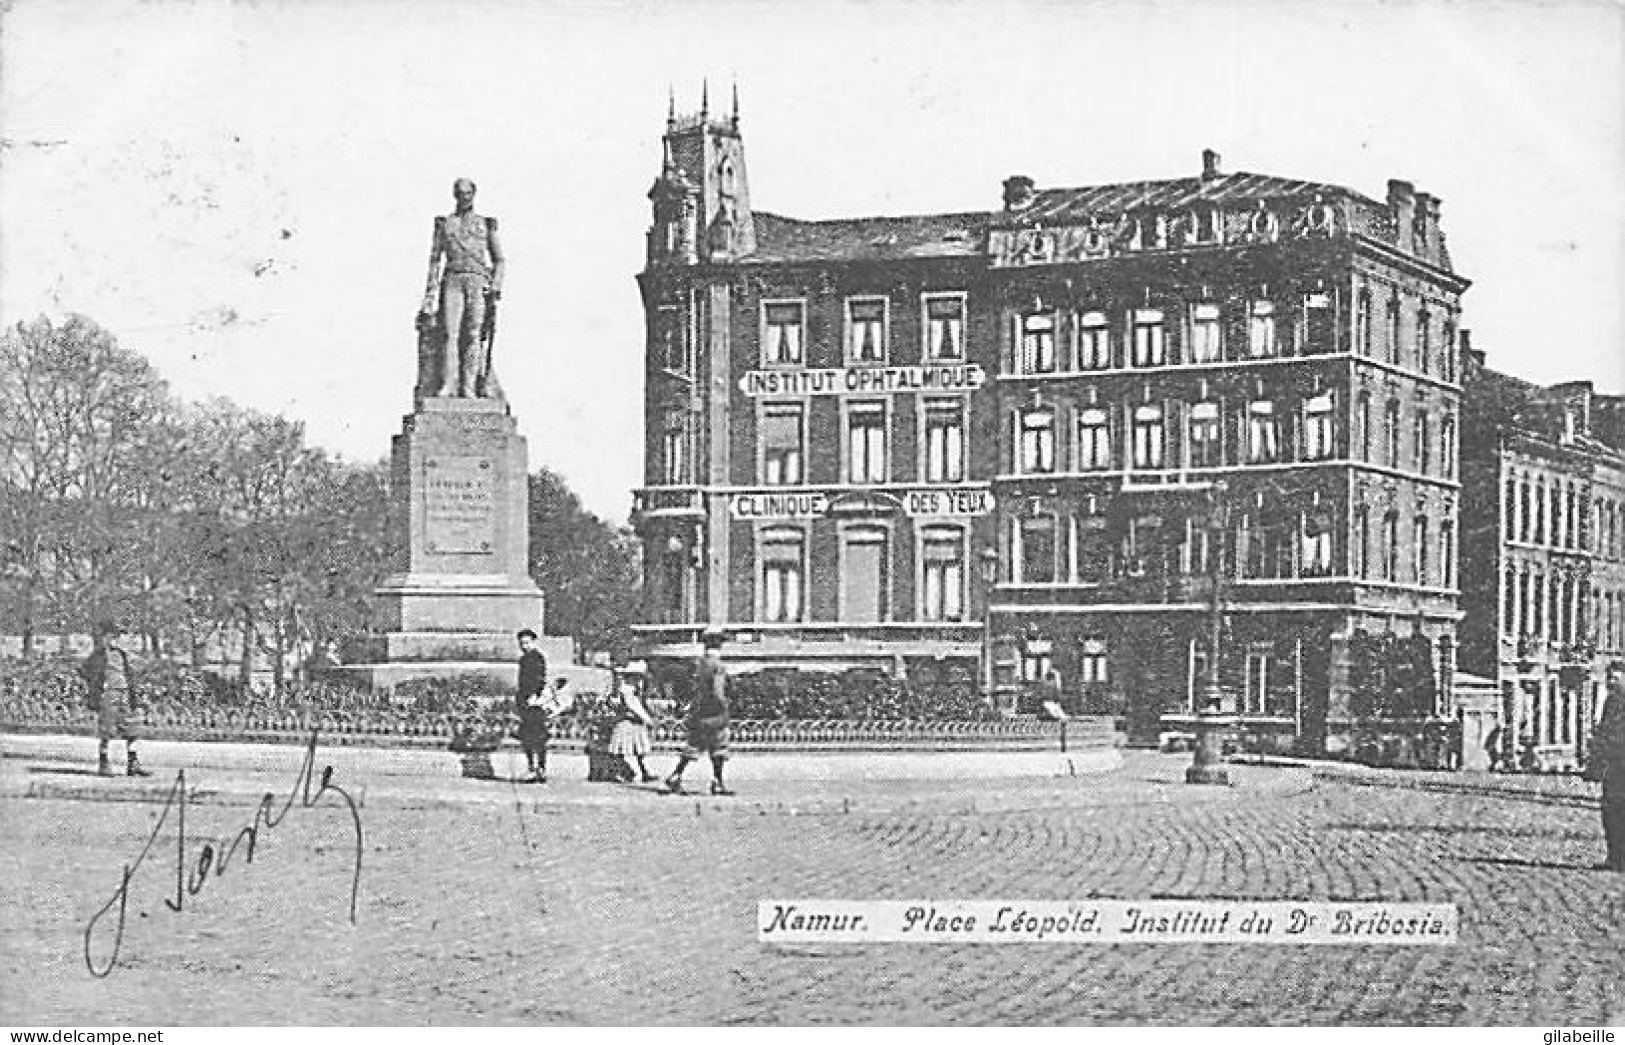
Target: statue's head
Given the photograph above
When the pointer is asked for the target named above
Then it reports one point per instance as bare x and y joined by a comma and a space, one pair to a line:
462, 190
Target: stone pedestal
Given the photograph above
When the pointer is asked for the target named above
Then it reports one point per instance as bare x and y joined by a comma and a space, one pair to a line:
462, 585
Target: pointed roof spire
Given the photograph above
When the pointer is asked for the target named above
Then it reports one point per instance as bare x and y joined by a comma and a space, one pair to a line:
735, 118
705, 99
671, 107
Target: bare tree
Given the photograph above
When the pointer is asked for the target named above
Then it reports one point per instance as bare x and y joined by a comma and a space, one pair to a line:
74, 410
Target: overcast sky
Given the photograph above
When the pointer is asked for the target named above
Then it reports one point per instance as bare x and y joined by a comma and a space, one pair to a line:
244, 192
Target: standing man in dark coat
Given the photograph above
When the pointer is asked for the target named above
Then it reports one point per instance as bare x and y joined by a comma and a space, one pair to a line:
707, 718
1608, 750
535, 718
112, 693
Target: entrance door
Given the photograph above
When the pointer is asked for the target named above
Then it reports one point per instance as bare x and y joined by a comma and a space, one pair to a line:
863, 577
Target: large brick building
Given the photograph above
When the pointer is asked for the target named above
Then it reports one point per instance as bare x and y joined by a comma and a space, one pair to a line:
1543, 569
849, 421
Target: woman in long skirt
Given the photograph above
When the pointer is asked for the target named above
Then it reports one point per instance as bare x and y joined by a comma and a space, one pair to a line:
630, 740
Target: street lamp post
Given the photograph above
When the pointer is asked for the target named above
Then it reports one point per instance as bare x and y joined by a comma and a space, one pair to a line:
990, 577
1207, 767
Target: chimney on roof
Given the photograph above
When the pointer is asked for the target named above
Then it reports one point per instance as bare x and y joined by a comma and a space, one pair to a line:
1210, 165
1402, 205
1018, 192
1474, 357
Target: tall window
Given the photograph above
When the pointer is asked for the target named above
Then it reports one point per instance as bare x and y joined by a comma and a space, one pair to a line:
1359, 552
1092, 662
1148, 337
1538, 530
1197, 546
1390, 546
1038, 343
1390, 432
1447, 351
781, 445
782, 572
669, 333
1362, 322
1447, 554
944, 441
1205, 440
1319, 328
866, 330
782, 333
1420, 440
1363, 419
676, 447
1393, 330
674, 587
1261, 329
942, 587
1037, 559
1263, 432
1424, 340
1037, 441
1148, 436
1447, 447
866, 443
1094, 440
1318, 441
1315, 550
1206, 345
945, 327
1094, 341
1419, 540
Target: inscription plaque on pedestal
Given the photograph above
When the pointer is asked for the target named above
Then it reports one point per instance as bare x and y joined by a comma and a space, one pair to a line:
459, 507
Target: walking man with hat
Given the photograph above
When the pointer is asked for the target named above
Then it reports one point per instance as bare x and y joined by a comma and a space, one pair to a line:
112, 693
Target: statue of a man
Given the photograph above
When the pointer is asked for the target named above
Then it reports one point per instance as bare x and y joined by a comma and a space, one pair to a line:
465, 276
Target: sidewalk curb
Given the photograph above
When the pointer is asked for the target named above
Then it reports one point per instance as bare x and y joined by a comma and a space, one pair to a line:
1446, 787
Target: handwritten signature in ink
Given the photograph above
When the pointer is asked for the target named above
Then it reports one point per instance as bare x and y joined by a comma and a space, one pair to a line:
213, 856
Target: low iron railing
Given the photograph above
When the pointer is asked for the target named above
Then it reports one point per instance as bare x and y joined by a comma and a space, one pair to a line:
384, 728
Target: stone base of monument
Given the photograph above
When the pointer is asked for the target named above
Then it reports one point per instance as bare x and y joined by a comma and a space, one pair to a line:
462, 590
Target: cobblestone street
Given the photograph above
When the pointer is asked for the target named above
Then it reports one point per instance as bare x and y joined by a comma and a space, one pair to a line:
517, 908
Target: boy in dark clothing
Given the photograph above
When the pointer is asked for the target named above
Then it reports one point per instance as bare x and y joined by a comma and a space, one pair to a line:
535, 719
707, 719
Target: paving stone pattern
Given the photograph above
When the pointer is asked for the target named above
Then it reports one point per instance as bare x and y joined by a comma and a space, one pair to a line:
530, 911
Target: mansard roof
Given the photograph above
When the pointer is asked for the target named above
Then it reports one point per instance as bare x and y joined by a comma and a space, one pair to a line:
1065, 206
782, 239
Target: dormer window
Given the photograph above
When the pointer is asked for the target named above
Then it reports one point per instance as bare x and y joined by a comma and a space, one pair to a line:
1264, 224
1151, 231
1201, 225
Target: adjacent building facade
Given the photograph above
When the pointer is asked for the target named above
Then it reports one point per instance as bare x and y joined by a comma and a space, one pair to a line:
1065, 420
1543, 582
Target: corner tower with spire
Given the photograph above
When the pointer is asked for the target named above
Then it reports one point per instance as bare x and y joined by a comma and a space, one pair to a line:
701, 200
